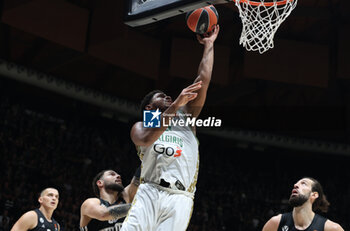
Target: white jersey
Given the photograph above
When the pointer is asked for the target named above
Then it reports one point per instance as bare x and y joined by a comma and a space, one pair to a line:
173, 157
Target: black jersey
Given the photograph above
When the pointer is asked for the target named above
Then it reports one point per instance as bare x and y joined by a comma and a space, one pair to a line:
287, 223
110, 225
44, 224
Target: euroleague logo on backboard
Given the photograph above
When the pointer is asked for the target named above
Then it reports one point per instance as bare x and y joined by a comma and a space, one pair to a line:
152, 119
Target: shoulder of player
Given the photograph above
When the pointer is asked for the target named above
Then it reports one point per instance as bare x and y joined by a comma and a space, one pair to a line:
31, 214
90, 202
27, 221
332, 226
136, 129
142, 136
273, 223
137, 124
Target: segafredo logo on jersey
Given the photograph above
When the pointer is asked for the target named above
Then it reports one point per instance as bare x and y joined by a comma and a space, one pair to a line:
152, 119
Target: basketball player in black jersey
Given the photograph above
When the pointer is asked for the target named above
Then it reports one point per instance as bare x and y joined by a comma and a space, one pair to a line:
307, 196
107, 212
40, 219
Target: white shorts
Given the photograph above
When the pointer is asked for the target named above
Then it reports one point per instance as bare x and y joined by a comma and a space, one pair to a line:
158, 209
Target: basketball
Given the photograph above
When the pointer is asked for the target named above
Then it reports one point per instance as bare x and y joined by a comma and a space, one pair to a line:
202, 20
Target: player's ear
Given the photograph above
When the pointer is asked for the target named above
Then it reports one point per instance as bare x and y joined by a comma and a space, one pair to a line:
148, 107
99, 183
40, 199
314, 195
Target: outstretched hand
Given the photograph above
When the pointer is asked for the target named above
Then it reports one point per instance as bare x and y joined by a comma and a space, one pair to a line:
188, 94
209, 37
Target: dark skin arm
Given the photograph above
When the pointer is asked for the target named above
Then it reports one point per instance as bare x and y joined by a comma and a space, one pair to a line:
204, 72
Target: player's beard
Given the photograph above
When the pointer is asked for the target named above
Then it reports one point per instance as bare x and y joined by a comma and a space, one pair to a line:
298, 200
162, 106
114, 187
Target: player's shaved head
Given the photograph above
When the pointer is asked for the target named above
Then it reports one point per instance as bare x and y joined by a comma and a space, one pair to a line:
49, 198
42, 193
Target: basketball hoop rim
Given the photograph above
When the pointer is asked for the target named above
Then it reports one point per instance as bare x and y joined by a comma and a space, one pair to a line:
255, 3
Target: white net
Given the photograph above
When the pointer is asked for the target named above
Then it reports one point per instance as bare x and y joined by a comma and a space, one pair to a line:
261, 19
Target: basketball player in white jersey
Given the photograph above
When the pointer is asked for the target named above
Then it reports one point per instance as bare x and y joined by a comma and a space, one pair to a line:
170, 160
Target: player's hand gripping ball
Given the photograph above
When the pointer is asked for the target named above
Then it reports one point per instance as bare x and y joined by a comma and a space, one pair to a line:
202, 20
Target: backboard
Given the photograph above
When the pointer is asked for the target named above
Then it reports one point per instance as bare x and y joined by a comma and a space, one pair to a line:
143, 12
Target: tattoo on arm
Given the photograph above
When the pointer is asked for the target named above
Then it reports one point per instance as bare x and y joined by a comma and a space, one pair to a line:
119, 211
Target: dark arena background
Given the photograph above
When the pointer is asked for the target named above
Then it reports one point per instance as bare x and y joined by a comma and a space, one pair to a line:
72, 74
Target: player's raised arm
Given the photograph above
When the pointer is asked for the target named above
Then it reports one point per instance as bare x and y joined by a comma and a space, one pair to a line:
28, 221
142, 136
130, 190
204, 71
93, 209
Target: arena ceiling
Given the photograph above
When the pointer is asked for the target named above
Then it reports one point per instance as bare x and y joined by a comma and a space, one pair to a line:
302, 85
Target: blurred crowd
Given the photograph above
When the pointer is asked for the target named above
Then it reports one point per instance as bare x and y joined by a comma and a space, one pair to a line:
238, 188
